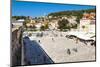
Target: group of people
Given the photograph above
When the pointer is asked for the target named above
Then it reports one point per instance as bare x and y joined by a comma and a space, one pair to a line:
69, 50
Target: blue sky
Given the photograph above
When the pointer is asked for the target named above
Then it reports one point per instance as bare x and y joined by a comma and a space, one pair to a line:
35, 9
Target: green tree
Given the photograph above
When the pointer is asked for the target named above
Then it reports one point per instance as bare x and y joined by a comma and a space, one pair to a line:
74, 26
42, 28
63, 24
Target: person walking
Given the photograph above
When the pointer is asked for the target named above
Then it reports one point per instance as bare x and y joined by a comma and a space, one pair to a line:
68, 51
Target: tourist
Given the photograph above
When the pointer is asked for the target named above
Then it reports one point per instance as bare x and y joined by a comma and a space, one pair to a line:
68, 51
39, 41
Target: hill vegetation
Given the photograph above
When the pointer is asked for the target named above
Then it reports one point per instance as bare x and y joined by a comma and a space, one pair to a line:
20, 17
71, 13
77, 13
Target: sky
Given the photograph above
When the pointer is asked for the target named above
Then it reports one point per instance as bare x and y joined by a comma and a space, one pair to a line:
37, 9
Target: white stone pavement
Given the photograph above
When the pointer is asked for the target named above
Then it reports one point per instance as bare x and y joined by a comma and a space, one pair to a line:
57, 47
57, 50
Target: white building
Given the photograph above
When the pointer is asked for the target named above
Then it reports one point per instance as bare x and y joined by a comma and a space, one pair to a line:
17, 23
87, 23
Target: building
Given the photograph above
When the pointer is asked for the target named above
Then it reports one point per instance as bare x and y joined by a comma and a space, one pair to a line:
87, 23
17, 23
31, 23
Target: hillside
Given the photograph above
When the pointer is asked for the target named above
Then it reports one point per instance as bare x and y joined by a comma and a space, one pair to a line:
77, 13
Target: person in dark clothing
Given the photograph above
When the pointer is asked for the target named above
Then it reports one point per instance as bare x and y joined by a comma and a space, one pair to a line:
68, 51
39, 41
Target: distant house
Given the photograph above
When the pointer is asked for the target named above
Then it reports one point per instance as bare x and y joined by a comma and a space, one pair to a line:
31, 23
87, 23
17, 23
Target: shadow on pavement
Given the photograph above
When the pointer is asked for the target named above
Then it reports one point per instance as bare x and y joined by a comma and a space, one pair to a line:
34, 53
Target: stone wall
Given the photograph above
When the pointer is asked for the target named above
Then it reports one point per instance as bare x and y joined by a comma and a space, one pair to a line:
16, 47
